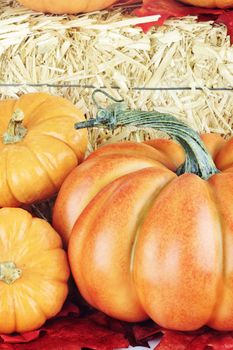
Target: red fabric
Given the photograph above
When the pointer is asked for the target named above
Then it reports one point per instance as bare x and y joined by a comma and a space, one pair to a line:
174, 8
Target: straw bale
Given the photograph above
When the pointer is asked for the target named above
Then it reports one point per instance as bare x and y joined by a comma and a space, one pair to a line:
105, 48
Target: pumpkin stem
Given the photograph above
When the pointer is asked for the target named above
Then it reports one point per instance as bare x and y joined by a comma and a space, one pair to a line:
15, 130
198, 160
9, 273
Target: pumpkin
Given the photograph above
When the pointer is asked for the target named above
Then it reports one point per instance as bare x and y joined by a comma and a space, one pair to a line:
38, 147
154, 229
33, 271
69, 7
210, 3
101, 168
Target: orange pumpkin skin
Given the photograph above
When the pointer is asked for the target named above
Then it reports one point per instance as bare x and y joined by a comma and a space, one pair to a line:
210, 3
151, 244
36, 249
119, 159
69, 7
34, 168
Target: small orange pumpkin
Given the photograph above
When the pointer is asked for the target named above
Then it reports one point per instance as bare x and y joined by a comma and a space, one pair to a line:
66, 6
38, 147
210, 3
33, 271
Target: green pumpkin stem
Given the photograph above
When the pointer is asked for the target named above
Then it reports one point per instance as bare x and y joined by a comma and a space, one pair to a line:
198, 160
15, 131
9, 273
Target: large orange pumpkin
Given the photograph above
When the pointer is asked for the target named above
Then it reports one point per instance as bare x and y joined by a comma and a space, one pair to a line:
38, 147
210, 3
66, 6
33, 271
154, 238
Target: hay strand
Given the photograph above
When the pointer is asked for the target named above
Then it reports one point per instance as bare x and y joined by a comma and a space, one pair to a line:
105, 48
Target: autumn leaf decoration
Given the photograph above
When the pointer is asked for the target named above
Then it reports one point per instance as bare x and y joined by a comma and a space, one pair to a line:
173, 8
